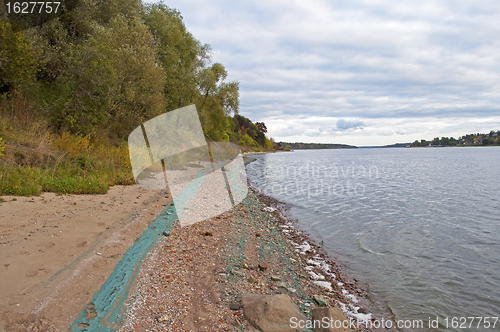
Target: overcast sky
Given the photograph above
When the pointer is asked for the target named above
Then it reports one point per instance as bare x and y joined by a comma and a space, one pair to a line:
361, 72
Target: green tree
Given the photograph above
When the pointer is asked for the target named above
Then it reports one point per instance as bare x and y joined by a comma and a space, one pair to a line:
137, 93
218, 99
179, 53
17, 59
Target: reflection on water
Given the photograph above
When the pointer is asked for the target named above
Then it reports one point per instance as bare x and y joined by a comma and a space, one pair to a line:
420, 226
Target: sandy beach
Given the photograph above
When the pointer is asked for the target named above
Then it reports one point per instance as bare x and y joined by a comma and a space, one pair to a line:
59, 250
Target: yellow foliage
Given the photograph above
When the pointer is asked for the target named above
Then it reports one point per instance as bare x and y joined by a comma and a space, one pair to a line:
2, 147
268, 143
72, 144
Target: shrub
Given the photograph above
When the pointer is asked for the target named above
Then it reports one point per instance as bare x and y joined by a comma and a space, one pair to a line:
2, 147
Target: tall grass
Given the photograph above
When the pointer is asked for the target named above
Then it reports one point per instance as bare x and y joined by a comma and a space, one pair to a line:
36, 160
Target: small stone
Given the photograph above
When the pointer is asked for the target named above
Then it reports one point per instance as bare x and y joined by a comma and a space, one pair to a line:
362, 311
252, 280
245, 266
235, 306
320, 300
263, 267
275, 278
165, 233
258, 234
163, 319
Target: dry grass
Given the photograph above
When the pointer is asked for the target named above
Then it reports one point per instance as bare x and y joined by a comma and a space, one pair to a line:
36, 160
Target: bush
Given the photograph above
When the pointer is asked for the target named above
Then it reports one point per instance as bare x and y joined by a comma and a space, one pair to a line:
246, 140
2, 147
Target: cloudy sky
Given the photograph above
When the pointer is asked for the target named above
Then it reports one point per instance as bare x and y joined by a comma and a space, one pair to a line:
361, 72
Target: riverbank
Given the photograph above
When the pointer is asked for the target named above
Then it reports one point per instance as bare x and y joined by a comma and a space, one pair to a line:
59, 250
193, 279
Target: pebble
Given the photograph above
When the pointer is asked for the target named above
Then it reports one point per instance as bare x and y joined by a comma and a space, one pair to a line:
163, 318
235, 306
320, 300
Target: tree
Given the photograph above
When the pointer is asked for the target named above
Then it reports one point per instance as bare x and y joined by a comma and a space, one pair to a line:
218, 99
261, 127
17, 59
178, 52
138, 88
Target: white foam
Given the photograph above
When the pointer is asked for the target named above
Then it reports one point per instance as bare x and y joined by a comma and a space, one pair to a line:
304, 248
323, 284
316, 276
311, 262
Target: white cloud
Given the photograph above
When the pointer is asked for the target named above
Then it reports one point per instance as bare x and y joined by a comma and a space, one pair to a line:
382, 61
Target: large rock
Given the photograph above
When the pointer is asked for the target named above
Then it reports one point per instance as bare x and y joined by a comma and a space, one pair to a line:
271, 313
330, 320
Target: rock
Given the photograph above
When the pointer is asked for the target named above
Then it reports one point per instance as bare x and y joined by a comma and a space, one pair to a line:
252, 280
320, 300
336, 320
164, 318
270, 313
275, 278
263, 267
362, 311
257, 234
235, 306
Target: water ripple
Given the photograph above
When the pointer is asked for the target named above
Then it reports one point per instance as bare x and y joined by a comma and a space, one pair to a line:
420, 226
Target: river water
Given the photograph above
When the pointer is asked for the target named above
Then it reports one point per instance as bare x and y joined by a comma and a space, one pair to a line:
420, 226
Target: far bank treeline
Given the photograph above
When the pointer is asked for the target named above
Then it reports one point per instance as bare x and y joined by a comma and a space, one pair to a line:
312, 146
73, 88
478, 139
